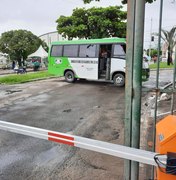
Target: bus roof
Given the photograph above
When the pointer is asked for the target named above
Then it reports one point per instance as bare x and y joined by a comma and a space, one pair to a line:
92, 41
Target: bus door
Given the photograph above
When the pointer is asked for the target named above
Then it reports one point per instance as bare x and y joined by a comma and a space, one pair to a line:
104, 67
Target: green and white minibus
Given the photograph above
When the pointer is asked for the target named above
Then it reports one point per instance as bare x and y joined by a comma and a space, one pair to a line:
93, 59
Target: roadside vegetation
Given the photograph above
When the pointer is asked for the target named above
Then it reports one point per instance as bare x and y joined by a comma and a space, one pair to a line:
123, 1
18, 44
22, 78
163, 65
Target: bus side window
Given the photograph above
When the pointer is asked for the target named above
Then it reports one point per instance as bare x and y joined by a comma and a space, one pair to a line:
119, 51
70, 50
56, 51
87, 50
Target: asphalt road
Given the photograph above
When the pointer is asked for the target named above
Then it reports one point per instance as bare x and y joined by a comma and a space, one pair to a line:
165, 77
88, 109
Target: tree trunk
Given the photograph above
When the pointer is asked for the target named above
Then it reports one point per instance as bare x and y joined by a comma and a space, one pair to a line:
171, 61
19, 62
168, 57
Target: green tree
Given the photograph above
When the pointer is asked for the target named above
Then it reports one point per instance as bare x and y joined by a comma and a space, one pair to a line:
18, 44
94, 23
153, 52
169, 38
123, 1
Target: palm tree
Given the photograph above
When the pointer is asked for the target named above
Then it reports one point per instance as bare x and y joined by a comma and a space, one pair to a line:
169, 38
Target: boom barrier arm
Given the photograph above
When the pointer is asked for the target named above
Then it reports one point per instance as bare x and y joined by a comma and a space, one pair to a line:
124, 152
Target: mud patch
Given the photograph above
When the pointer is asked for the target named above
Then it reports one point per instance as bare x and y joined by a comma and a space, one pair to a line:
67, 110
115, 134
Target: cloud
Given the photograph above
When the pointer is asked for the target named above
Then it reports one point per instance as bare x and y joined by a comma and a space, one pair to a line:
39, 16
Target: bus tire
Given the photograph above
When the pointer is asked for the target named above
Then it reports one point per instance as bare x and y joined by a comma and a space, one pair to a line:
69, 77
119, 79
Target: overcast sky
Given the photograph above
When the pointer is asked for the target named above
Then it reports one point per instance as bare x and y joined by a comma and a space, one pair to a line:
39, 16
152, 12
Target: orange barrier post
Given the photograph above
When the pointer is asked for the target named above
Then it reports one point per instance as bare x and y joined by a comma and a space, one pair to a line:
166, 142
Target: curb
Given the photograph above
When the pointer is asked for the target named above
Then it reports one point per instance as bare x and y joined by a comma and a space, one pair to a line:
39, 79
33, 80
162, 69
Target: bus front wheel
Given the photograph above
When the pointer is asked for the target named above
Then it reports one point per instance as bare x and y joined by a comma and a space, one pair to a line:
119, 80
69, 77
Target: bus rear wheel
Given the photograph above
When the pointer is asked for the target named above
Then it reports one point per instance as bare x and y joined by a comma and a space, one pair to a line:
69, 77
119, 80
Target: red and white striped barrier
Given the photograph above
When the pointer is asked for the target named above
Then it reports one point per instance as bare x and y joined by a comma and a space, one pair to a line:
133, 154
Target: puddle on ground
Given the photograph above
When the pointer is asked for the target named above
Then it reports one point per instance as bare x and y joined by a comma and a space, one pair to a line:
10, 158
49, 156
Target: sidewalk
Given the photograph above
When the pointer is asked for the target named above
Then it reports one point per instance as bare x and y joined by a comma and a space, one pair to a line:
162, 69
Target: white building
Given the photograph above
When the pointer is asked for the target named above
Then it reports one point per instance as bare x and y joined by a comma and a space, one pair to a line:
52, 37
3, 58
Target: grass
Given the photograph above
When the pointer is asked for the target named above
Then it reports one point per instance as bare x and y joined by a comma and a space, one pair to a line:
163, 65
22, 78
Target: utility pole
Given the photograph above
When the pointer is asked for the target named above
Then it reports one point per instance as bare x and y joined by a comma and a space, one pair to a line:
135, 33
150, 37
174, 79
173, 85
129, 82
157, 78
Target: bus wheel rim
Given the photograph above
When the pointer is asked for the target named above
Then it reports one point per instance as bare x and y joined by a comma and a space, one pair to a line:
119, 80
